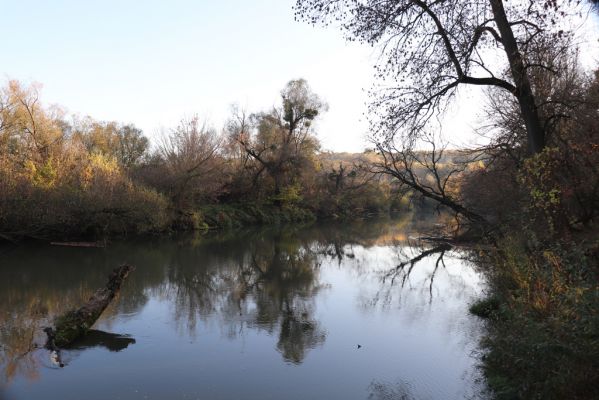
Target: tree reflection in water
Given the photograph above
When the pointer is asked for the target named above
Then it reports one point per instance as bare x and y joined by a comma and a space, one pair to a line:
268, 285
387, 391
261, 280
403, 271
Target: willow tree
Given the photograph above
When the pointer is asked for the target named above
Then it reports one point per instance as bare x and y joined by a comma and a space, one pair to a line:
431, 47
29, 132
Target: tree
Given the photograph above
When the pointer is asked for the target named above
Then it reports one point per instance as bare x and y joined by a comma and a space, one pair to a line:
346, 185
282, 141
431, 47
132, 145
29, 131
240, 169
430, 174
559, 189
190, 155
126, 143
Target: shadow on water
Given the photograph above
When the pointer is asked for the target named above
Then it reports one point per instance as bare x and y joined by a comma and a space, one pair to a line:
107, 340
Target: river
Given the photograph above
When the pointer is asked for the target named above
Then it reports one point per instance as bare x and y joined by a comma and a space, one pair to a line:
318, 312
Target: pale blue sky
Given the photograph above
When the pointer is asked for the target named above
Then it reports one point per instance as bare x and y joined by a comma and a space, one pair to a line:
151, 62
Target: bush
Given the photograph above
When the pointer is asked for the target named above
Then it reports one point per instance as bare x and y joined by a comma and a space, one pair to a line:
486, 308
86, 195
543, 342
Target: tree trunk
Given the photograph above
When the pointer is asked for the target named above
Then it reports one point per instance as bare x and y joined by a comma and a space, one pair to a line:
278, 201
76, 323
526, 99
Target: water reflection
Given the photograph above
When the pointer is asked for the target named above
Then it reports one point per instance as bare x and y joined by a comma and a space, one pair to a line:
388, 391
271, 283
268, 284
402, 272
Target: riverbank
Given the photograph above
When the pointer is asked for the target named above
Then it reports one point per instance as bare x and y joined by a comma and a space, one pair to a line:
226, 216
543, 319
158, 220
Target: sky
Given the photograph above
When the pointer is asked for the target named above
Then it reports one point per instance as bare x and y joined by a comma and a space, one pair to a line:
154, 62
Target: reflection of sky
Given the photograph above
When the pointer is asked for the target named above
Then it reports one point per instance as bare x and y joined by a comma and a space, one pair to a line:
412, 344
408, 336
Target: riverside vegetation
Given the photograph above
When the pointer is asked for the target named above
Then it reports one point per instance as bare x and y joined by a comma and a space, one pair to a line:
528, 200
65, 177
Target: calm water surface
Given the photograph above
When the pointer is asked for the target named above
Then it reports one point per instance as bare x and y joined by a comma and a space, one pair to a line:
308, 313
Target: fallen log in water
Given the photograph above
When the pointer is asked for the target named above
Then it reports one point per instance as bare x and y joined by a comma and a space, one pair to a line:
79, 244
76, 323
8, 238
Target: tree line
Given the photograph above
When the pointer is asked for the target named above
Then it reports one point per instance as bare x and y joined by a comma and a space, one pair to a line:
65, 176
530, 194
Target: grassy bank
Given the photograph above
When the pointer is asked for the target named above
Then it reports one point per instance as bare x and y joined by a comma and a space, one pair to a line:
543, 330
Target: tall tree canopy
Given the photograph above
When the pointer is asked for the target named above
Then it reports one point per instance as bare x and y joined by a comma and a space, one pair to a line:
430, 47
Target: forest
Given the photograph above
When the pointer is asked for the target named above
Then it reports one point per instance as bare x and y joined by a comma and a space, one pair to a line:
72, 177
526, 201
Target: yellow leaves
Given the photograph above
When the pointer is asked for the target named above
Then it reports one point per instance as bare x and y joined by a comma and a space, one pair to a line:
289, 194
544, 199
30, 168
104, 164
541, 176
99, 166
36, 131
86, 176
540, 166
44, 175
472, 166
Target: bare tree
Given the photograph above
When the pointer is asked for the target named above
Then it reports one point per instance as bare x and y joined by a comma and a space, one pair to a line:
429, 173
430, 47
238, 131
190, 154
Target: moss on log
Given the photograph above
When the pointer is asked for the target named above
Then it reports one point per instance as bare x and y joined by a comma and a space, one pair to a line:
75, 323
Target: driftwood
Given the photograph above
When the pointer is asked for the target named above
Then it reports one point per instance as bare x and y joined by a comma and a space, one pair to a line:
8, 238
76, 323
79, 244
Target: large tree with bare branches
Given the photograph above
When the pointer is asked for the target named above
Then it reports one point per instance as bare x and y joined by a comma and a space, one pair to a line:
431, 47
